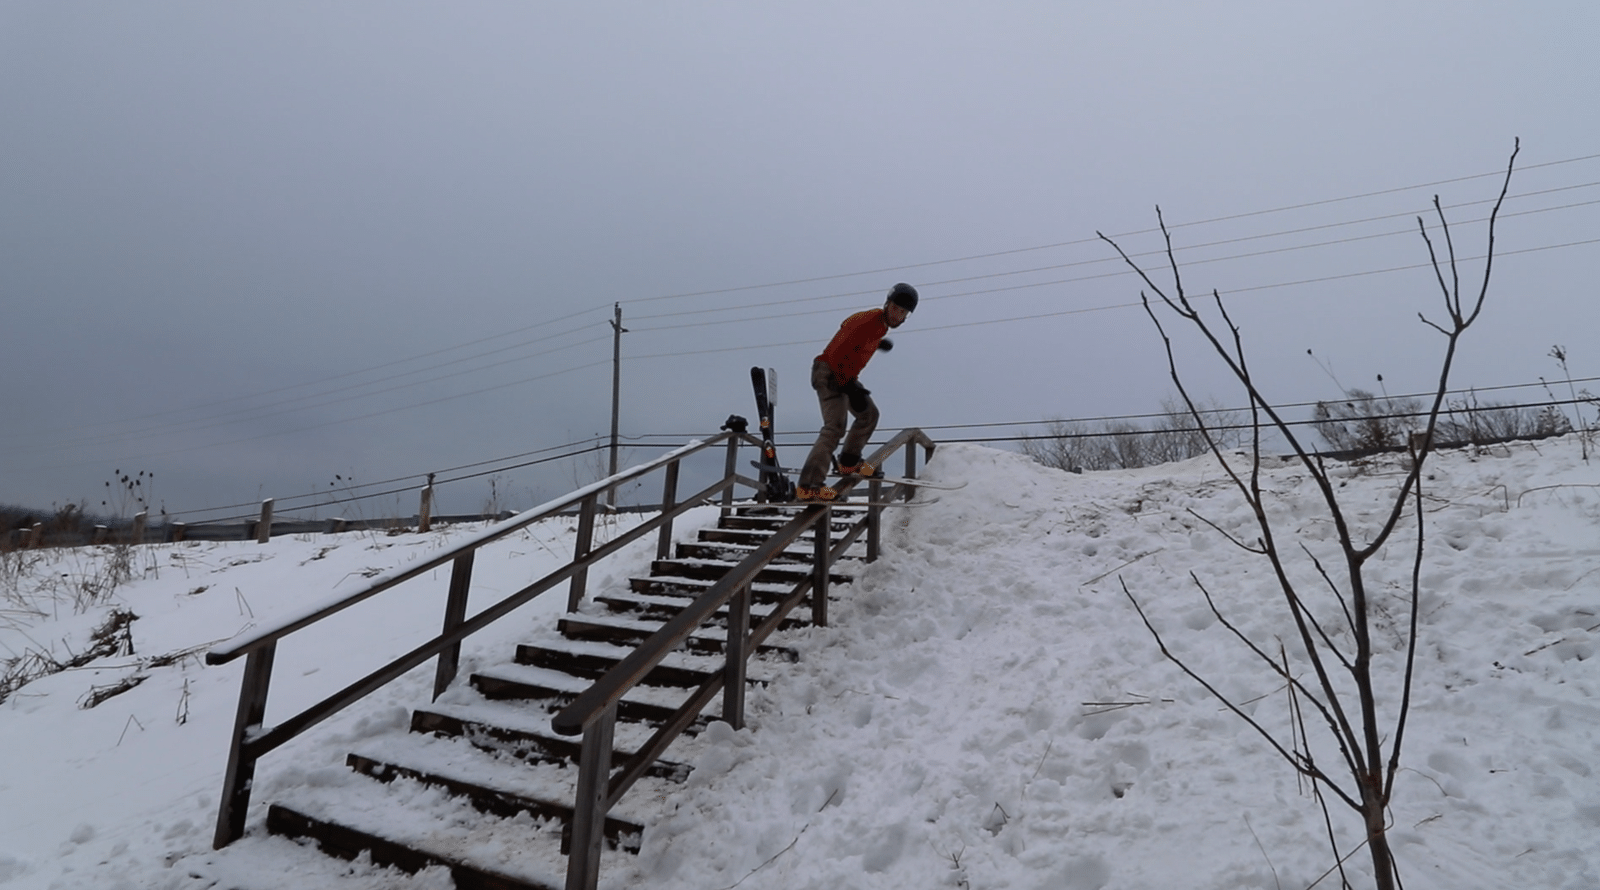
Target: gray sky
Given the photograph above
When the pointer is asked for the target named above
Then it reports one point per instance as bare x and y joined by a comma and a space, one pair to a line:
250, 247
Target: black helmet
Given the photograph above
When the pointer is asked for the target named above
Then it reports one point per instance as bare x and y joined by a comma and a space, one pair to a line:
904, 296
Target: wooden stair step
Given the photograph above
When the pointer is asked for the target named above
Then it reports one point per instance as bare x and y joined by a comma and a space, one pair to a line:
458, 759
527, 742
751, 537
709, 570
523, 683
346, 842
734, 553
667, 607
593, 665
772, 524
842, 510
484, 799
616, 629
665, 588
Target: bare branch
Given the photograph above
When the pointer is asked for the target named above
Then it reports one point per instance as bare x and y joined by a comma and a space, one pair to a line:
1298, 763
1430, 324
1433, 257
1488, 261
1453, 337
1331, 711
1339, 595
1226, 534
1453, 301
1411, 659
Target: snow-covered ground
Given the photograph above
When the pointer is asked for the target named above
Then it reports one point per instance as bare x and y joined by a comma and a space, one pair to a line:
987, 710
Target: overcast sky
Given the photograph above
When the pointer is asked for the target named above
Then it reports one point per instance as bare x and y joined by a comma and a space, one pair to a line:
252, 247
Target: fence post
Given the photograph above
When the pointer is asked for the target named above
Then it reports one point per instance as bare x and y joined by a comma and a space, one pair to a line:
140, 520
589, 805
101, 533
455, 612
911, 460
580, 578
733, 667
425, 511
669, 499
264, 527
241, 764
176, 532
36, 536
820, 569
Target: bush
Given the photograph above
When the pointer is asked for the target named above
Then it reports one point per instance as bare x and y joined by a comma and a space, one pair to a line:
1364, 422
1170, 436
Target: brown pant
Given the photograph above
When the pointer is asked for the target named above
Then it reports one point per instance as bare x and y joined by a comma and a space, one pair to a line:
835, 410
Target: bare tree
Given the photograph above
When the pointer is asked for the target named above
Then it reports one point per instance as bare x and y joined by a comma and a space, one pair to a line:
1368, 732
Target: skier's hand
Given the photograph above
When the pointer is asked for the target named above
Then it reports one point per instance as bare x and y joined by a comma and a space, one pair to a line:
885, 344
857, 394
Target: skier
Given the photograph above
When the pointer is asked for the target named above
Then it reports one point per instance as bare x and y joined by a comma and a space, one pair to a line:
835, 377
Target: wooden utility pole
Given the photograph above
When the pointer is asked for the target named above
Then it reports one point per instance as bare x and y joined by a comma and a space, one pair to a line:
616, 395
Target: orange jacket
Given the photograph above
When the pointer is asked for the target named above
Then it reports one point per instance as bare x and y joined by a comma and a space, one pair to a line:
857, 340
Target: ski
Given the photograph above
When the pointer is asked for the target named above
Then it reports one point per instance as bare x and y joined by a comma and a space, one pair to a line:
888, 480
927, 503
778, 485
849, 503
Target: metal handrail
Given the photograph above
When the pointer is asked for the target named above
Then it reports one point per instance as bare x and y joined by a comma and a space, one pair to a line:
626, 674
251, 739
225, 652
593, 712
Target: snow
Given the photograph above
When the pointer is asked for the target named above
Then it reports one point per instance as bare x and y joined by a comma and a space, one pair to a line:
987, 710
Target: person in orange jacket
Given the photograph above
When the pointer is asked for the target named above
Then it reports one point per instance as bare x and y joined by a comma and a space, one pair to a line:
835, 375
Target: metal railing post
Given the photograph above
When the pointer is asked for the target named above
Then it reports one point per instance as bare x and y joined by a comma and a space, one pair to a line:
733, 669
669, 499
580, 578
455, 612
242, 764
820, 569
732, 467
589, 806
874, 519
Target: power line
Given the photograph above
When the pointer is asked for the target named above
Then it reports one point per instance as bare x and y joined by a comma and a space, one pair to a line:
302, 400
1112, 306
1446, 411
323, 380
703, 351
1118, 262
343, 420
261, 413
1201, 222
592, 443
339, 502
1112, 259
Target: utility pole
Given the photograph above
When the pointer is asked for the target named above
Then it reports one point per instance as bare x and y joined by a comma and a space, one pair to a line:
616, 394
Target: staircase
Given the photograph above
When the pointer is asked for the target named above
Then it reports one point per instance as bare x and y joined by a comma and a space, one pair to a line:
483, 786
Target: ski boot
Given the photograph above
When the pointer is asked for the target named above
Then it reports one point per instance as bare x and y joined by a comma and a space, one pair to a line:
813, 494
853, 465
